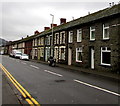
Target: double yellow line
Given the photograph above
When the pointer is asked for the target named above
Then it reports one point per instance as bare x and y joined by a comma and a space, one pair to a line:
24, 93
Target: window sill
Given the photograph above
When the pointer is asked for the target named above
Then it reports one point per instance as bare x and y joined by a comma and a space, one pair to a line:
92, 40
104, 39
79, 41
79, 61
102, 64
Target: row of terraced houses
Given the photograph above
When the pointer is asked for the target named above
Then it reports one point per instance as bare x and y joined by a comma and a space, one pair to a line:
92, 41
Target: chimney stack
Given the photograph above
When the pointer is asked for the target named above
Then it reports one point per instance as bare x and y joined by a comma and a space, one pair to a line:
46, 28
36, 32
54, 25
62, 21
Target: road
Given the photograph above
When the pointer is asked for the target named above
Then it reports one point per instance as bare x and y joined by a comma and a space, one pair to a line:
55, 85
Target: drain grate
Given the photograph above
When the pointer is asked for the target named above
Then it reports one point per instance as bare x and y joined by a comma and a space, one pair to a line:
60, 80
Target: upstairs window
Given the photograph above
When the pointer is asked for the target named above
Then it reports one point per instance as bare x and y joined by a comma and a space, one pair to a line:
105, 31
47, 40
79, 54
92, 33
62, 37
33, 42
51, 40
79, 35
56, 39
70, 36
42, 41
39, 42
105, 56
36, 42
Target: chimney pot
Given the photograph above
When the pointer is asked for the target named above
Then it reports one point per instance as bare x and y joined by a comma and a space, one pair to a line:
62, 21
36, 32
54, 25
46, 28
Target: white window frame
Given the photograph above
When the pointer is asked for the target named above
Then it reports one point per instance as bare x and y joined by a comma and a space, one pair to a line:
92, 30
80, 50
39, 41
104, 28
106, 50
47, 40
79, 35
62, 47
42, 41
70, 36
36, 42
62, 38
56, 38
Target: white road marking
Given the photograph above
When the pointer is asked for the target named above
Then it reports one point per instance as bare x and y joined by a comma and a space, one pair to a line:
99, 88
34, 66
53, 73
23, 63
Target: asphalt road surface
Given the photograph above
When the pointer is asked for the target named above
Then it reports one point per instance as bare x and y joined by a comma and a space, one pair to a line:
55, 85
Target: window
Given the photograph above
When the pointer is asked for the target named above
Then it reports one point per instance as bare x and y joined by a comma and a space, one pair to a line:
79, 54
105, 31
56, 38
105, 56
92, 33
35, 51
33, 42
51, 40
62, 53
42, 41
79, 35
41, 52
62, 37
36, 42
39, 42
70, 36
47, 40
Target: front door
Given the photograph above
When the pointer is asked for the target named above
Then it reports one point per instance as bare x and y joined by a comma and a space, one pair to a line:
56, 54
92, 58
69, 56
46, 59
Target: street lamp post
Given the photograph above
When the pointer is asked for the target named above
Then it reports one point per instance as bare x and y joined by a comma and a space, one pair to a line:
52, 51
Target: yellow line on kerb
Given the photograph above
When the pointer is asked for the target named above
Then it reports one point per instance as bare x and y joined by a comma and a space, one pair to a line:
25, 94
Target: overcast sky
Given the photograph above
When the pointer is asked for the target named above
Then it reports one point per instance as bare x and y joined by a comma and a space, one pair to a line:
20, 19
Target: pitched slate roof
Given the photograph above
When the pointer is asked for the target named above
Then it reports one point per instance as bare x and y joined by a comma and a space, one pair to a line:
82, 20
92, 17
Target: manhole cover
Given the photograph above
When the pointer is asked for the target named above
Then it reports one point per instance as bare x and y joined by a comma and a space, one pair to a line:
59, 80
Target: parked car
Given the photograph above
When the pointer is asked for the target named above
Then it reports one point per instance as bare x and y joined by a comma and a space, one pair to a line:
24, 57
1, 52
18, 55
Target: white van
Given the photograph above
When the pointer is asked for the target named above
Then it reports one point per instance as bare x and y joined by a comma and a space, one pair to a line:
15, 53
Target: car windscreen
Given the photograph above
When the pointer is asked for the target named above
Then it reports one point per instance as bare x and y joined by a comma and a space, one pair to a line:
24, 55
18, 53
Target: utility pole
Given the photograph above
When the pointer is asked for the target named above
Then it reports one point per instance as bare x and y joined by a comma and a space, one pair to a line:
52, 48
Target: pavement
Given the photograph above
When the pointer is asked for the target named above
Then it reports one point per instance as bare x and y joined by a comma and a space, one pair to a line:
8, 95
101, 73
